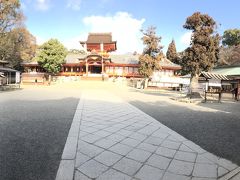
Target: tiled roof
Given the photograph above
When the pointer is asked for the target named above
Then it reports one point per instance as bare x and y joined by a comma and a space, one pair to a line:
134, 59
166, 62
74, 58
3, 62
119, 59
125, 59
99, 38
208, 75
229, 71
5, 69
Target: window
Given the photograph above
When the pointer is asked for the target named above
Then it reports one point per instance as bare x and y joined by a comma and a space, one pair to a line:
135, 70
130, 69
107, 69
110, 69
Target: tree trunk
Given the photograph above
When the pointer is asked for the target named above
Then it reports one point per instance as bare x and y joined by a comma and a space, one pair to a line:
144, 83
49, 79
193, 91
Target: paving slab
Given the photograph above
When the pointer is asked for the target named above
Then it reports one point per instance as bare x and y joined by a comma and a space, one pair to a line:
113, 174
159, 161
170, 176
108, 158
118, 141
128, 166
205, 171
149, 173
185, 156
166, 152
92, 168
121, 149
139, 155
181, 167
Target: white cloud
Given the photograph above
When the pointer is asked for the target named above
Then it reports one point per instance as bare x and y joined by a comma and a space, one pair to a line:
125, 30
42, 5
185, 39
73, 43
74, 4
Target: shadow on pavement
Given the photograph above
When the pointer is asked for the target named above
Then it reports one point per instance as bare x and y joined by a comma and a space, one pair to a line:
215, 131
32, 136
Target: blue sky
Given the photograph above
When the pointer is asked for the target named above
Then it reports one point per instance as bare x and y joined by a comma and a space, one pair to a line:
71, 20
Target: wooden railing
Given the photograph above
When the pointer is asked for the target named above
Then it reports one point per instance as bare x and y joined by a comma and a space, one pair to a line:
70, 74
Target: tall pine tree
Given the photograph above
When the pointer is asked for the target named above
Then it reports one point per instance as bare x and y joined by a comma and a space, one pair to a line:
172, 52
203, 52
152, 53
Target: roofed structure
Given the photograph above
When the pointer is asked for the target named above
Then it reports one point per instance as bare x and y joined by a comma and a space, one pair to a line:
208, 75
124, 58
99, 42
3, 63
10, 75
233, 70
74, 58
97, 61
99, 38
166, 63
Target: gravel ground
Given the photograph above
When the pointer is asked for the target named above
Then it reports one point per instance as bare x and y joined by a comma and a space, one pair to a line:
34, 125
213, 126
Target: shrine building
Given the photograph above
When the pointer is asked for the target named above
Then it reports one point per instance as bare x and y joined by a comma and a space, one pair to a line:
99, 59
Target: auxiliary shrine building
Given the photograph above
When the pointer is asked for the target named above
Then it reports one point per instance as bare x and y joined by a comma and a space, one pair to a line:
99, 60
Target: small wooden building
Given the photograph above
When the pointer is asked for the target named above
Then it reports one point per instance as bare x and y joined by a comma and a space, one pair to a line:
217, 84
233, 73
35, 78
8, 75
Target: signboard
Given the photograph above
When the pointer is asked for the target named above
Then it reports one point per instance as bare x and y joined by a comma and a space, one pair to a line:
214, 82
17, 77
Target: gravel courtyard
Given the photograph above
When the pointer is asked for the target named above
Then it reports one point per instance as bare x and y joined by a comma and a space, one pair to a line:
34, 124
214, 126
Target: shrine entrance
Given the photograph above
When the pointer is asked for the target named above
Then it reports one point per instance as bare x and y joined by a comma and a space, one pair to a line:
95, 69
94, 65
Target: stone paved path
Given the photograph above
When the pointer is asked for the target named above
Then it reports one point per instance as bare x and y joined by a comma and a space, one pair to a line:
112, 140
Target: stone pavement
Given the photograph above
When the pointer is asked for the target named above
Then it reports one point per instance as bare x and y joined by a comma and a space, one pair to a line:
112, 140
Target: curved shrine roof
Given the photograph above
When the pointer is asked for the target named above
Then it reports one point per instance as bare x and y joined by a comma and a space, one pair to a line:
94, 38
120, 59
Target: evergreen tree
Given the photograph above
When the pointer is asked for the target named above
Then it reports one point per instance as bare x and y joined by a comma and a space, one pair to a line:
152, 53
230, 52
203, 52
229, 55
172, 53
51, 55
10, 15
231, 37
16, 46
16, 42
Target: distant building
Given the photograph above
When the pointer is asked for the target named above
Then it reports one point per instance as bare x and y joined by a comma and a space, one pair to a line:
233, 73
228, 70
99, 60
8, 75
